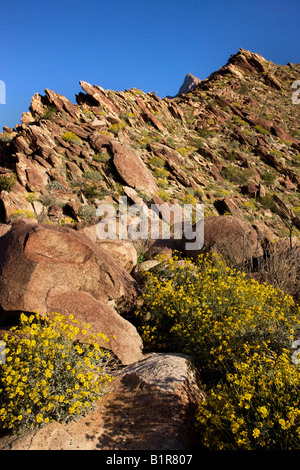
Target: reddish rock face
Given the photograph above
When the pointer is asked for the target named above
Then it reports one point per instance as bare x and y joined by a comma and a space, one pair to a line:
232, 237
132, 169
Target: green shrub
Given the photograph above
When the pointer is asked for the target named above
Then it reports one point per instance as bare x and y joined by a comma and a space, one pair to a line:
244, 88
189, 199
164, 195
236, 174
163, 184
161, 173
50, 113
267, 202
116, 128
23, 213
268, 177
31, 197
277, 153
296, 160
92, 191
240, 334
48, 374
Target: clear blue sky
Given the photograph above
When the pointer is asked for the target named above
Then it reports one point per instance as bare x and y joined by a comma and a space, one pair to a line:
118, 44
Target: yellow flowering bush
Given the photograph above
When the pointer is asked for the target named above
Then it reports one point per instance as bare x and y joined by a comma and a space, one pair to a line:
240, 335
48, 374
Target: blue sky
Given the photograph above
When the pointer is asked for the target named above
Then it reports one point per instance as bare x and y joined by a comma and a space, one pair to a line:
118, 44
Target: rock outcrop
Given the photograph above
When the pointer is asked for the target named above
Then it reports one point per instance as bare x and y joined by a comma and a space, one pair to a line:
48, 269
229, 142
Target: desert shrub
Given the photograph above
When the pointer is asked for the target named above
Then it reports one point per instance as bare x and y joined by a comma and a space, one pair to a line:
47, 199
189, 199
88, 114
161, 173
162, 183
55, 185
22, 213
183, 151
236, 174
72, 138
48, 375
240, 334
6, 137
50, 113
92, 191
267, 202
277, 153
116, 127
262, 130
296, 134
239, 121
244, 88
101, 157
296, 160
87, 212
280, 267
7, 182
268, 177
164, 195
93, 175
157, 161
31, 197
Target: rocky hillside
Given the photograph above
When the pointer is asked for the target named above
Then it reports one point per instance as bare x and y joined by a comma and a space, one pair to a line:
232, 143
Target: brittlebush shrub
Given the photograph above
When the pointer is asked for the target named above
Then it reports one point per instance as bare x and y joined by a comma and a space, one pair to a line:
240, 334
48, 375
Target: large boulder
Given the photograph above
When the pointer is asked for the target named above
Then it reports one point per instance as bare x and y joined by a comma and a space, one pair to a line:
132, 169
232, 237
122, 251
47, 268
151, 406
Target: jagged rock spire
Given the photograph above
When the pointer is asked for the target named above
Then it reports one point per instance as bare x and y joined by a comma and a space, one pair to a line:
190, 82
